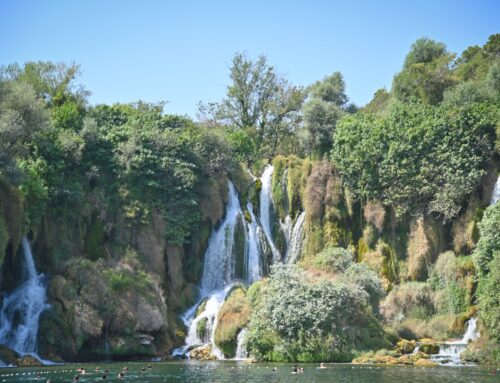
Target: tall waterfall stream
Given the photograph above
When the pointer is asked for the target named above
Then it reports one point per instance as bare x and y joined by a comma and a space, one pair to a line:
21, 309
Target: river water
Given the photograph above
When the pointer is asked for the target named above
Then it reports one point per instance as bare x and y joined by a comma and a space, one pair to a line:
236, 372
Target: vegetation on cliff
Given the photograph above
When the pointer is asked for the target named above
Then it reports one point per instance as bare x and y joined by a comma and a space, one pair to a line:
399, 237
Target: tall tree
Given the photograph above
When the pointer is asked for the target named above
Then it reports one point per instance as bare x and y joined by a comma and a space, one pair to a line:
327, 100
426, 73
261, 102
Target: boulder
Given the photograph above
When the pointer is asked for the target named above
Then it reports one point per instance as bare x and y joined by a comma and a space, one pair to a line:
429, 348
406, 346
28, 361
202, 353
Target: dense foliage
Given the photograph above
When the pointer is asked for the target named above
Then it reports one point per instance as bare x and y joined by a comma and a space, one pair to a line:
418, 157
305, 320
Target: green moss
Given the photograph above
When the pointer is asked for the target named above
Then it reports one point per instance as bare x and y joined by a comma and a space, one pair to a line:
248, 217
201, 307
201, 328
239, 249
233, 316
95, 240
4, 236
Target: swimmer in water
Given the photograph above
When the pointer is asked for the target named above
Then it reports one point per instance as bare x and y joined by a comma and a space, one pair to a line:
322, 365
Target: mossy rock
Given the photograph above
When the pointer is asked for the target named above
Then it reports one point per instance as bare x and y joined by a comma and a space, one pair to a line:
201, 307
239, 249
429, 348
233, 316
406, 346
28, 361
201, 328
202, 353
425, 363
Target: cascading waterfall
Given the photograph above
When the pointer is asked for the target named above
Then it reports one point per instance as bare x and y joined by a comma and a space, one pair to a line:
22, 308
219, 273
241, 349
265, 209
449, 352
253, 248
296, 237
219, 265
496, 192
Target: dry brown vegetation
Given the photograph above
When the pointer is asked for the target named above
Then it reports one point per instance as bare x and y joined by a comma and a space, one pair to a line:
374, 213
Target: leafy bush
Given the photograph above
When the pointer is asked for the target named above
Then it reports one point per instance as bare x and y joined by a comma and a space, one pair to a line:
489, 240
417, 157
334, 259
301, 320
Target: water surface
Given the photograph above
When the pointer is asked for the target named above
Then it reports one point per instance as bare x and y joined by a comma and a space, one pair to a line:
235, 372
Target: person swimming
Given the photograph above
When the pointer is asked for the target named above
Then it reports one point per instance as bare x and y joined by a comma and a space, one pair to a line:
322, 365
295, 370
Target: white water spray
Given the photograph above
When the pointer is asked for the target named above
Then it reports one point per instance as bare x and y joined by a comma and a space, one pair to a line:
22, 308
241, 349
253, 248
265, 209
296, 237
219, 273
496, 192
219, 264
449, 352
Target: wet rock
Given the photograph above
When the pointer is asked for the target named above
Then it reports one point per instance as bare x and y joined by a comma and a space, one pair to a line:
406, 346
429, 348
28, 361
202, 353
422, 362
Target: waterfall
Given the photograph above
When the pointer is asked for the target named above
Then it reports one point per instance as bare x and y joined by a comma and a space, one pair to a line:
22, 308
253, 249
241, 349
219, 274
296, 237
472, 333
496, 192
219, 265
265, 209
449, 352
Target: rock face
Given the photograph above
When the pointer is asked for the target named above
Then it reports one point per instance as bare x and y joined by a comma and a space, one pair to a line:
116, 286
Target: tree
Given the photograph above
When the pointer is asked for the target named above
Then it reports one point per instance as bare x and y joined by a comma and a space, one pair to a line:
324, 108
418, 157
426, 73
23, 118
260, 100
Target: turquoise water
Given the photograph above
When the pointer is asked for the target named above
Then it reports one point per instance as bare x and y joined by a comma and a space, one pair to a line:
235, 372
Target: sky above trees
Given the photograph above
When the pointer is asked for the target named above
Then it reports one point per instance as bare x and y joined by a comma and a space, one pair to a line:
181, 52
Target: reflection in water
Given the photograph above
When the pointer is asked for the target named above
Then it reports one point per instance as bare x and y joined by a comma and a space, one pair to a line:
235, 372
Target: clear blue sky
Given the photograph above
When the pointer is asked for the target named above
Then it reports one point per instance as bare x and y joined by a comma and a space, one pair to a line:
181, 51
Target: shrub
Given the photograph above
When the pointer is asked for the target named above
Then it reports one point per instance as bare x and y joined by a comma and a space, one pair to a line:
360, 275
411, 299
306, 321
334, 259
489, 298
489, 240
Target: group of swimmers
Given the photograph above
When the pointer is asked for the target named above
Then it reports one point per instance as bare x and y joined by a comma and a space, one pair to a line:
121, 374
